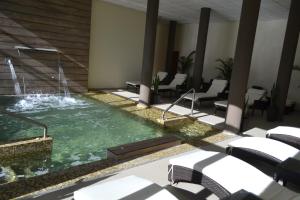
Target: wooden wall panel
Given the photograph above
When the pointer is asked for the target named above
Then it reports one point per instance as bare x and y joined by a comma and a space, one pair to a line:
57, 24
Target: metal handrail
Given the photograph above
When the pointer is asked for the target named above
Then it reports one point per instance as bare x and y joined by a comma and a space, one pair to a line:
27, 120
178, 100
36, 49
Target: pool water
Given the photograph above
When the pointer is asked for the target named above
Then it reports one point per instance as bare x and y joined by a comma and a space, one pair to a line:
82, 129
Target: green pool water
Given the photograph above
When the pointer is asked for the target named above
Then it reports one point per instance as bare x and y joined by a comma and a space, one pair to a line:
82, 130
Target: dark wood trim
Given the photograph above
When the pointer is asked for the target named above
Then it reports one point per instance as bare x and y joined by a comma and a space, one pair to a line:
35, 18
5, 22
83, 5
58, 24
288, 56
242, 63
149, 50
43, 34
170, 47
65, 18
201, 47
59, 8
23, 19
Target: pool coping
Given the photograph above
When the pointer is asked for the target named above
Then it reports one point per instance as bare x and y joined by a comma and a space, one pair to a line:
20, 147
111, 170
155, 106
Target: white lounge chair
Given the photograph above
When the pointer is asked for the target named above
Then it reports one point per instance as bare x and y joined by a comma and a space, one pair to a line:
178, 80
270, 151
131, 188
225, 175
217, 86
284, 158
251, 96
136, 84
285, 134
254, 94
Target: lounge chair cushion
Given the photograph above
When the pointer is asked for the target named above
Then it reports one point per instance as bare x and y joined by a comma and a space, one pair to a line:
130, 187
179, 79
162, 75
216, 87
270, 147
223, 104
166, 87
285, 130
254, 94
199, 96
133, 83
233, 174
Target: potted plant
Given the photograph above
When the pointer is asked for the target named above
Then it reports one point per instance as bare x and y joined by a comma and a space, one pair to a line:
225, 68
155, 94
185, 63
272, 112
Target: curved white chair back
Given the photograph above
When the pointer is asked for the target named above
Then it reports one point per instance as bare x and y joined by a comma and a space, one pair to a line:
276, 149
285, 130
179, 79
254, 94
217, 86
162, 75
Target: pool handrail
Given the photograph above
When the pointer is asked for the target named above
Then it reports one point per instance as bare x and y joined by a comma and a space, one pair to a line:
26, 119
178, 100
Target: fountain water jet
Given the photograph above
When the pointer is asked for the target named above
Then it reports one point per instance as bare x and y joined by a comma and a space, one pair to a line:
14, 77
62, 79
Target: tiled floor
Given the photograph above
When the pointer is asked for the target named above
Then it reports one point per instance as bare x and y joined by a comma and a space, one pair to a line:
205, 113
154, 171
157, 171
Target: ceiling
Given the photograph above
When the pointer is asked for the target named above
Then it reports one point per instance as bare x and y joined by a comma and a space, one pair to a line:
188, 11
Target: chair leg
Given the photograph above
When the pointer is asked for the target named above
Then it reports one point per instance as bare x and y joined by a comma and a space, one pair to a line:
276, 177
284, 182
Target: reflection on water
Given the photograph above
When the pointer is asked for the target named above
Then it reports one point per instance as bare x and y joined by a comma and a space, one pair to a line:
82, 129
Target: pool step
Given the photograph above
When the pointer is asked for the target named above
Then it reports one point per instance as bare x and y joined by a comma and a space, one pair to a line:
142, 148
172, 121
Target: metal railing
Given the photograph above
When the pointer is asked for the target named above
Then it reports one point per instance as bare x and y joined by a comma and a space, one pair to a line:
178, 100
36, 49
28, 120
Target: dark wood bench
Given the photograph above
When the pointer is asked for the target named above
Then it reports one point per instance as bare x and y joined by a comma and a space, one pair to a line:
143, 147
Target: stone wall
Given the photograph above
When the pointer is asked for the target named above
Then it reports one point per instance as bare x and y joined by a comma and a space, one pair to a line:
26, 146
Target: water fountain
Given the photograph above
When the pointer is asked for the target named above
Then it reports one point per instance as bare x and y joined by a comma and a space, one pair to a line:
24, 86
61, 76
62, 79
14, 77
38, 102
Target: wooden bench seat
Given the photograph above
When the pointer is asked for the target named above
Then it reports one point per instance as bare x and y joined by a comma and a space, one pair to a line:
143, 147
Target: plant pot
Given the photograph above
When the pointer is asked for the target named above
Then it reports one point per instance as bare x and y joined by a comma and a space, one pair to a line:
272, 114
155, 98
